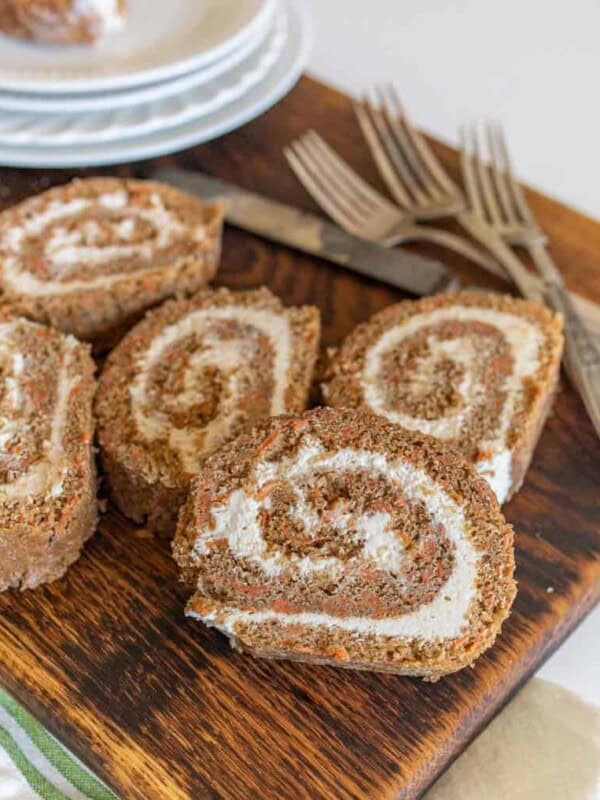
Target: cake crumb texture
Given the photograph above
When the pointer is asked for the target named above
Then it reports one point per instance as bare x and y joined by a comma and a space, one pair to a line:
478, 371
192, 375
336, 537
48, 505
90, 257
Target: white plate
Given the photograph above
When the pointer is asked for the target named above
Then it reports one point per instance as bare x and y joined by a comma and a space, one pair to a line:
22, 102
277, 82
68, 130
161, 40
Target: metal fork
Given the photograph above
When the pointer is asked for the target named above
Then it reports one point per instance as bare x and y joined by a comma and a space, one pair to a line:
417, 181
357, 207
414, 176
498, 202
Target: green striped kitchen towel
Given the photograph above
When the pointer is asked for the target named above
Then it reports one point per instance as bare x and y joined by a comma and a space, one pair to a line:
34, 765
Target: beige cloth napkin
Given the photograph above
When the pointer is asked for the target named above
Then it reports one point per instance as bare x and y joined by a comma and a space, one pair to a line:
545, 745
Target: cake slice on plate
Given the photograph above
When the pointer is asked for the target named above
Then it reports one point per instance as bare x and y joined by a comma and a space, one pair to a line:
189, 377
90, 257
68, 21
335, 537
47, 475
478, 371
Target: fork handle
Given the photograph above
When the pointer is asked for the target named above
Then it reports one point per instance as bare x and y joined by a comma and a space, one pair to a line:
525, 281
529, 284
420, 233
583, 357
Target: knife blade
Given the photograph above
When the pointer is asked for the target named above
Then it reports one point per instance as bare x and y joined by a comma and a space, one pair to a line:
284, 224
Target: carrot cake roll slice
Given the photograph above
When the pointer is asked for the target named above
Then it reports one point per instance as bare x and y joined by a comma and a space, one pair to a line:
47, 475
477, 370
338, 538
69, 21
90, 257
192, 375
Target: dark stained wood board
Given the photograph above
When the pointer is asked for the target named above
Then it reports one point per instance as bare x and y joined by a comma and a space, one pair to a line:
159, 706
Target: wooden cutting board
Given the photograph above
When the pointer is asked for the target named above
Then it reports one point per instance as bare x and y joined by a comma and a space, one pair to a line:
159, 706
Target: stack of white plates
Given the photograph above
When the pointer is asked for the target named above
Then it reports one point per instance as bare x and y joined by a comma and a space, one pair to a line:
181, 73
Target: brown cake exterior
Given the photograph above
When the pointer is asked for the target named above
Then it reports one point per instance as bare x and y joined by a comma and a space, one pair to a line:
478, 371
9, 22
89, 257
192, 375
48, 505
335, 537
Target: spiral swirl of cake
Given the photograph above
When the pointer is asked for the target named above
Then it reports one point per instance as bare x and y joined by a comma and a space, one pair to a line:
189, 377
90, 257
478, 371
336, 537
68, 21
47, 474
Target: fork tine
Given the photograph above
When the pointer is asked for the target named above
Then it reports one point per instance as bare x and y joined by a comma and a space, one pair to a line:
380, 155
514, 185
499, 175
489, 199
332, 180
345, 173
412, 190
420, 144
398, 123
399, 149
468, 172
325, 199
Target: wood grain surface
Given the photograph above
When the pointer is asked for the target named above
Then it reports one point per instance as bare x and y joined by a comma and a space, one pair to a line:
159, 706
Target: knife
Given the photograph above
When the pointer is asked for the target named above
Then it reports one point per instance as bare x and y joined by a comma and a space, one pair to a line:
287, 225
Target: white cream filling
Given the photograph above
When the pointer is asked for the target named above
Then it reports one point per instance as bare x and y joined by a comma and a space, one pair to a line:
228, 358
106, 12
381, 546
66, 250
238, 521
524, 340
11, 367
47, 474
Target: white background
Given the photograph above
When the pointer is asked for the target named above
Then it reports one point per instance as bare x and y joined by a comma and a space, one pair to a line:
534, 64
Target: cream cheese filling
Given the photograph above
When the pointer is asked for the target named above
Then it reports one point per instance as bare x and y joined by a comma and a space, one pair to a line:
11, 367
524, 340
45, 476
238, 521
107, 13
65, 250
226, 357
